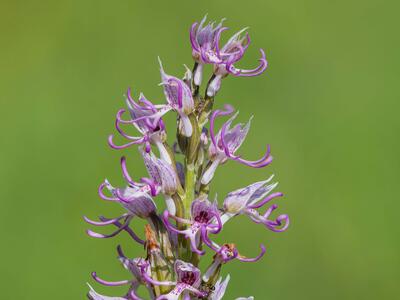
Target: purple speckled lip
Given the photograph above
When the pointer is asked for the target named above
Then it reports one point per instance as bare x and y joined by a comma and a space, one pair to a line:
177, 237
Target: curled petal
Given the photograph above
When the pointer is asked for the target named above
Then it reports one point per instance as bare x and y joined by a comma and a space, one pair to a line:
120, 252
125, 172
166, 215
135, 142
133, 295
193, 246
280, 224
147, 104
101, 194
109, 283
106, 236
206, 240
234, 57
104, 223
122, 132
263, 162
254, 72
127, 229
254, 259
269, 211
119, 117
130, 99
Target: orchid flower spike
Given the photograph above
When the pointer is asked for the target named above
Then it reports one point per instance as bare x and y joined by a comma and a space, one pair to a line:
177, 237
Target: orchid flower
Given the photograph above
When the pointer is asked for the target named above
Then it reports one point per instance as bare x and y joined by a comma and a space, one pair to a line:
248, 199
188, 282
204, 40
163, 177
179, 98
226, 142
224, 254
135, 198
231, 53
137, 267
144, 118
203, 215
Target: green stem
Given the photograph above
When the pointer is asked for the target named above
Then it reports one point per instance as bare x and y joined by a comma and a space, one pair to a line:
190, 184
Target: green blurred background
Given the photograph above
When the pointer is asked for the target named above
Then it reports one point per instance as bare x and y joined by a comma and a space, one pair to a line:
328, 105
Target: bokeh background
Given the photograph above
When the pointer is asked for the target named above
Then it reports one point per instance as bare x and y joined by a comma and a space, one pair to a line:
328, 105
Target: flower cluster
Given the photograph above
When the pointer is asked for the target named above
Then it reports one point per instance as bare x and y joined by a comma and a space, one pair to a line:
176, 238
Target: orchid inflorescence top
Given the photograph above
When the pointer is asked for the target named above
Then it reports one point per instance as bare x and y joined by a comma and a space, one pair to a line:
176, 239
